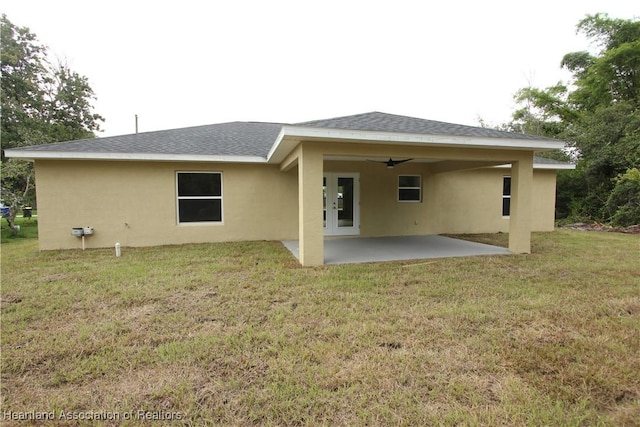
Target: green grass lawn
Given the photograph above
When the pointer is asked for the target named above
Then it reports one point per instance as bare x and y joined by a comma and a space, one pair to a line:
28, 229
239, 334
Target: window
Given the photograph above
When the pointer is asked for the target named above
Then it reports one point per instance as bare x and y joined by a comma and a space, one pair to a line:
506, 195
409, 188
199, 197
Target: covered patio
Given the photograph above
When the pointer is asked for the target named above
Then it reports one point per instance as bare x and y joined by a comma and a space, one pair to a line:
355, 250
321, 148
309, 158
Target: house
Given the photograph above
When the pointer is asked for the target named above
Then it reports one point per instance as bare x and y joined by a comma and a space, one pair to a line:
304, 181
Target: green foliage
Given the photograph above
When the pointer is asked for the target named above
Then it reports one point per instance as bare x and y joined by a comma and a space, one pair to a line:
569, 183
69, 109
41, 103
577, 62
22, 59
28, 230
543, 112
623, 203
599, 117
614, 75
17, 188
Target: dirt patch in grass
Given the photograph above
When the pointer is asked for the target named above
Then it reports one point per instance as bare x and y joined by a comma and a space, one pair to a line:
238, 334
583, 226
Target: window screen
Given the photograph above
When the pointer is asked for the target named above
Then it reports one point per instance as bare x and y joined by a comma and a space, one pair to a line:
506, 196
409, 188
199, 197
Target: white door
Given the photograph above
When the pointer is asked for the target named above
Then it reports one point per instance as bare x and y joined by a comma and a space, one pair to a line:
341, 204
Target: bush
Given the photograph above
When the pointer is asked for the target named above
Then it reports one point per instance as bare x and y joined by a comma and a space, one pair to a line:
623, 204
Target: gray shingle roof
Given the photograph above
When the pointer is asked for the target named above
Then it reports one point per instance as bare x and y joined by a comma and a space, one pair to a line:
383, 122
545, 161
224, 139
256, 139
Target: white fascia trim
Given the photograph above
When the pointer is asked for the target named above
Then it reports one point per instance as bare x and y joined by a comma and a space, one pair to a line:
276, 144
386, 137
552, 166
66, 155
549, 166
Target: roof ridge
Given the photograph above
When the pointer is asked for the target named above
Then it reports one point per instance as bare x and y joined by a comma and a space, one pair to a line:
387, 122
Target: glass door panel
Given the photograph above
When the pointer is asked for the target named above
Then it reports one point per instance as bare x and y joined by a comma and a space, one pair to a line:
345, 202
324, 202
340, 204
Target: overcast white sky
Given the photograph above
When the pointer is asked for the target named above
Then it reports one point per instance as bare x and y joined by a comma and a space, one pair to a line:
186, 63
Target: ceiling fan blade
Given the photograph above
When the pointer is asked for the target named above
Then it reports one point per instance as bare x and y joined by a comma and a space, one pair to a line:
396, 162
390, 163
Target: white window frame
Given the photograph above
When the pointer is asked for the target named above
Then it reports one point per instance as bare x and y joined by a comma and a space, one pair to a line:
419, 188
506, 196
220, 197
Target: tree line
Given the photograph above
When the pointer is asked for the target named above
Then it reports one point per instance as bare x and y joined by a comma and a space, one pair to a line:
42, 102
598, 114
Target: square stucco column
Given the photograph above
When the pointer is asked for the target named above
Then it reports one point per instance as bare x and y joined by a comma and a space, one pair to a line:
521, 205
310, 233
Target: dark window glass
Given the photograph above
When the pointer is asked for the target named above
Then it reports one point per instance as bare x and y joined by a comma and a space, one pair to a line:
506, 206
199, 184
506, 196
506, 186
199, 197
409, 188
409, 194
408, 181
200, 210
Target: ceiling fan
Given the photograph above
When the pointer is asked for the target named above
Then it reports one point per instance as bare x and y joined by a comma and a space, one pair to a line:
391, 163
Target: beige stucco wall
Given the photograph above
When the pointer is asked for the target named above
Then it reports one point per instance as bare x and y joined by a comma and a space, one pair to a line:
134, 203
471, 201
380, 212
454, 202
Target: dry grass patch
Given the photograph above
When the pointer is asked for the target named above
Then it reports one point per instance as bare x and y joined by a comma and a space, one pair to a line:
238, 334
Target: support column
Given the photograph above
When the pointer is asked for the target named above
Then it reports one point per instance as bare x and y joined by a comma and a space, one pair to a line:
310, 233
521, 205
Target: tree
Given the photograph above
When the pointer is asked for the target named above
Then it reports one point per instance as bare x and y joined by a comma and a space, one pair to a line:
612, 76
624, 201
597, 113
41, 103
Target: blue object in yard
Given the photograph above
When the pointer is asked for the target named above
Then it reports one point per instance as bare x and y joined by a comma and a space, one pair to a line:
5, 211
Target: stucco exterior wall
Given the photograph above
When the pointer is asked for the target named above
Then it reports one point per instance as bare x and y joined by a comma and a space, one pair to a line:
381, 214
471, 201
454, 202
544, 200
134, 203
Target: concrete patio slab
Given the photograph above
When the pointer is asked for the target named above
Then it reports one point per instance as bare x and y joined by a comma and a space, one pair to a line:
354, 250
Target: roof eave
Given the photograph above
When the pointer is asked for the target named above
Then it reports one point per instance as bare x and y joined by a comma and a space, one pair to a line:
156, 157
288, 133
548, 166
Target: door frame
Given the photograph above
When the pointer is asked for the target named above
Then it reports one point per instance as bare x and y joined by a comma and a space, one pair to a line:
331, 226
